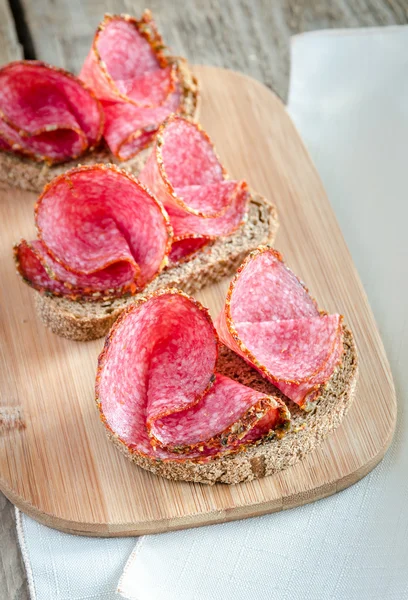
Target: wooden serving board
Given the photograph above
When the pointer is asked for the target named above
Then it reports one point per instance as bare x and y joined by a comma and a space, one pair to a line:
62, 470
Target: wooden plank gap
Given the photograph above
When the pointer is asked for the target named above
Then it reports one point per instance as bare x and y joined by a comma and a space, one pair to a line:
23, 30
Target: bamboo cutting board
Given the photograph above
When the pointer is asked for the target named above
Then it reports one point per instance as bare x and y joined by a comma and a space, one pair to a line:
62, 470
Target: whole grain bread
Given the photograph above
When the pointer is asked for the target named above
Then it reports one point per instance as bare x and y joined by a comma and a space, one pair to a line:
308, 429
26, 174
82, 320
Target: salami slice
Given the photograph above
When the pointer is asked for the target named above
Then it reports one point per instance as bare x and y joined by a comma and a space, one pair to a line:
46, 113
129, 128
101, 234
127, 62
158, 393
186, 175
271, 321
137, 83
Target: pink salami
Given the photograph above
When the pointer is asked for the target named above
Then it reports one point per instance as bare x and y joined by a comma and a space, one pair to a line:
46, 113
186, 175
135, 80
271, 321
158, 393
100, 234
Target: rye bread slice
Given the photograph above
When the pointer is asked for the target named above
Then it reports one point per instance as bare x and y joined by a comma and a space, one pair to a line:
82, 320
26, 174
308, 429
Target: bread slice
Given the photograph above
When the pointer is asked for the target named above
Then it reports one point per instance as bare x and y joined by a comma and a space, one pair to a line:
308, 429
26, 174
82, 321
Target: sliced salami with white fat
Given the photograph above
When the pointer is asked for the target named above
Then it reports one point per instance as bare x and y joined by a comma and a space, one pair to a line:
135, 80
100, 234
158, 391
186, 175
271, 321
46, 113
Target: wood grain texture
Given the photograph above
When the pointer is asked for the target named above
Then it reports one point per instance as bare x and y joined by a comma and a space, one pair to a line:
254, 40
63, 471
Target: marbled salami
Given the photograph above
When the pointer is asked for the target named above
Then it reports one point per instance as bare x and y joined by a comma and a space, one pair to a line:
100, 234
186, 175
46, 113
137, 83
158, 392
271, 321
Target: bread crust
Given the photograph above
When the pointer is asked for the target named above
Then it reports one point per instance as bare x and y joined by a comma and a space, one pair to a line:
83, 320
308, 430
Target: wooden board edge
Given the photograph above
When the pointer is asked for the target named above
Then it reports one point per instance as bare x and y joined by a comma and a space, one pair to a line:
196, 520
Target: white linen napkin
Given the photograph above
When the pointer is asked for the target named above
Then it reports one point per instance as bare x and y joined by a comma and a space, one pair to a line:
348, 98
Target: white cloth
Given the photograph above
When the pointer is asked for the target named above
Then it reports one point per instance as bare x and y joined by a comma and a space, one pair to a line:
60, 566
348, 98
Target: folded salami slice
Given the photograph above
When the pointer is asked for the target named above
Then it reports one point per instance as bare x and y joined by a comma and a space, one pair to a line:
186, 175
101, 234
46, 113
159, 395
137, 83
129, 129
271, 321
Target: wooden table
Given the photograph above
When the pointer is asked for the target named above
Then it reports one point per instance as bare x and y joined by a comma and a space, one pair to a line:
246, 35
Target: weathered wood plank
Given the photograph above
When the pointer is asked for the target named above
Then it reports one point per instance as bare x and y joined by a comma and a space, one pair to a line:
10, 49
247, 35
